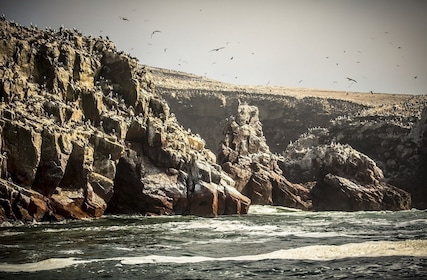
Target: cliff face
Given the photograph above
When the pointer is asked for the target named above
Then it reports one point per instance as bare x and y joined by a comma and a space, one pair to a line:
387, 128
84, 132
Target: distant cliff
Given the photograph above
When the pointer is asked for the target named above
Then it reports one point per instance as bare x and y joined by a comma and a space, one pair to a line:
385, 127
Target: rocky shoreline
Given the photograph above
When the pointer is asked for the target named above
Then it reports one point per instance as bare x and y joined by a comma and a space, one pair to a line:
87, 130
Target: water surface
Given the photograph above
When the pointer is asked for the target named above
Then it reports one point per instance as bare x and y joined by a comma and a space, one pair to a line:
269, 242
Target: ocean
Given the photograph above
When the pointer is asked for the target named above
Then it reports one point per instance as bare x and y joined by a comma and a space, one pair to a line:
268, 243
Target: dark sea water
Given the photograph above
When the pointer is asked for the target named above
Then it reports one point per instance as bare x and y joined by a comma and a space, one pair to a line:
268, 243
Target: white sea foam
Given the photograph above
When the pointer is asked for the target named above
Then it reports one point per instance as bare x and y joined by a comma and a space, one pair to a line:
48, 264
416, 248
11, 233
316, 252
245, 228
71, 252
270, 210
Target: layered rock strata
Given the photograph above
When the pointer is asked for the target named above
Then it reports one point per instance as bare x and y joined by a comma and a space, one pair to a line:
83, 132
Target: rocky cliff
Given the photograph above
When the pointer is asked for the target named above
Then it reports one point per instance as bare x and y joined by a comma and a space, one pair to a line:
87, 130
245, 155
387, 128
83, 132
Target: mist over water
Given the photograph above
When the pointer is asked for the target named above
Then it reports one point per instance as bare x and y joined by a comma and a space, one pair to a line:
270, 242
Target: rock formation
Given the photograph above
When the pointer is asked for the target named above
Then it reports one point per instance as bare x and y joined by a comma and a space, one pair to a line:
83, 132
392, 136
385, 127
343, 178
245, 155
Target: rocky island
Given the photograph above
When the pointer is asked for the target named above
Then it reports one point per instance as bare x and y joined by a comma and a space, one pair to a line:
87, 130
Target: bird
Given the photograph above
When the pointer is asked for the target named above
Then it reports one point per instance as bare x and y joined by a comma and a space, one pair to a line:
351, 80
124, 19
165, 49
217, 49
154, 32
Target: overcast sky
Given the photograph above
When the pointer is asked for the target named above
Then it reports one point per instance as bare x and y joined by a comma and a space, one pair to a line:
303, 43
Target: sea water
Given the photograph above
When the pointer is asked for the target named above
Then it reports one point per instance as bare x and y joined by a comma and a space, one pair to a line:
268, 243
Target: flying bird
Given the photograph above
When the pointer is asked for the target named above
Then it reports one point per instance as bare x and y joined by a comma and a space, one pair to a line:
154, 32
217, 49
123, 18
351, 80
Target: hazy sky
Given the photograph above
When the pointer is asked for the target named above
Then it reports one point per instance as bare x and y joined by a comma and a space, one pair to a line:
315, 44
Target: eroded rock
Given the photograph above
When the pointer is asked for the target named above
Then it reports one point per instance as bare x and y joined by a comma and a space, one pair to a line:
83, 131
343, 178
246, 157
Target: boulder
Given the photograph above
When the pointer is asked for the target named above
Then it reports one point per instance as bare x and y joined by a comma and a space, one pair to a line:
337, 193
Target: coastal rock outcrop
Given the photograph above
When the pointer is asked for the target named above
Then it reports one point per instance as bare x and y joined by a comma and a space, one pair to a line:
385, 127
83, 132
246, 157
341, 177
392, 136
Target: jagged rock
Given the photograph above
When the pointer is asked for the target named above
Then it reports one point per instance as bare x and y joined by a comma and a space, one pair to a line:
136, 189
337, 193
245, 156
20, 204
22, 145
55, 152
303, 162
77, 117
346, 179
390, 135
141, 187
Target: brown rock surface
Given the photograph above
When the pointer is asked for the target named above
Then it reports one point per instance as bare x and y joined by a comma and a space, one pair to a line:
337, 193
378, 125
245, 156
343, 178
83, 130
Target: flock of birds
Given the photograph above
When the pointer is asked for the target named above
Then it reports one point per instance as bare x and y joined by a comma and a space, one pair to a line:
351, 80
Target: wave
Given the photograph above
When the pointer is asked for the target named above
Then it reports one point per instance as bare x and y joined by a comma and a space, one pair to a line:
413, 248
